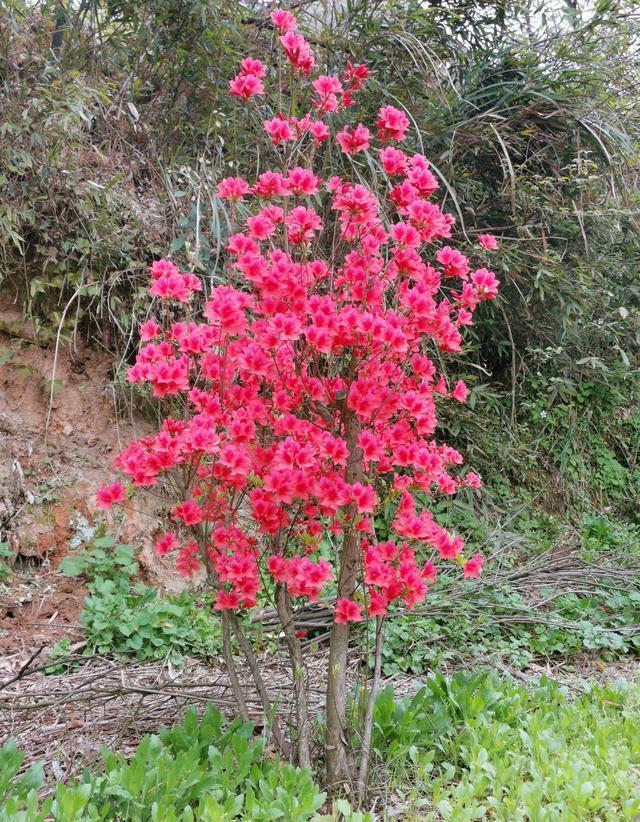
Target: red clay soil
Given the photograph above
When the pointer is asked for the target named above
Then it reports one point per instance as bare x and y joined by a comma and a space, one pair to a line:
47, 483
39, 610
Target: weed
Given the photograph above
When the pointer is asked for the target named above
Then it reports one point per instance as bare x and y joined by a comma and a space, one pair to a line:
124, 616
5, 570
208, 770
476, 746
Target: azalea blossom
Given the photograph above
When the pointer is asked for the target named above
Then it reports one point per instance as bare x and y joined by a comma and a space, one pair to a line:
392, 124
353, 140
347, 610
246, 86
284, 20
108, 495
488, 242
303, 393
473, 567
233, 188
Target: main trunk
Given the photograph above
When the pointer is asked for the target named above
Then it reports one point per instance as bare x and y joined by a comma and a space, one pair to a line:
336, 744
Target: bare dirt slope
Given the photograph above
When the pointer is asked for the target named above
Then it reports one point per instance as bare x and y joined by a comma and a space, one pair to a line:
48, 477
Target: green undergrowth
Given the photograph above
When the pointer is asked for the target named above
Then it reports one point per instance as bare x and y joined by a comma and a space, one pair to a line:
124, 616
568, 446
206, 770
481, 747
522, 609
468, 747
499, 624
5, 570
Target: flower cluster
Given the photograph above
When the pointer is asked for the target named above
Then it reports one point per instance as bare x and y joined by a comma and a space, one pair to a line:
248, 81
309, 383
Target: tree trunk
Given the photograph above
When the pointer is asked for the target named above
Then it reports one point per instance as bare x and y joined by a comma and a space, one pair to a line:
232, 672
230, 622
367, 730
336, 750
268, 709
285, 613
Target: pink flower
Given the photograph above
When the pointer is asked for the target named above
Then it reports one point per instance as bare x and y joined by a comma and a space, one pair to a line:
473, 567
364, 497
302, 224
162, 268
460, 392
441, 386
353, 140
302, 576
168, 542
455, 264
319, 130
188, 512
255, 67
393, 160
325, 84
378, 603
392, 124
473, 480
173, 285
278, 567
298, 52
233, 188
405, 235
270, 184
372, 446
327, 88
108, 495
227, 601
488, 242
149, 330
226, 309
347, 610
241, 244
260, 227
279, 130
283, 20
486, 284
429, 572
246, 86
273, 213
423, 180
302, 182
356, 76
188, 561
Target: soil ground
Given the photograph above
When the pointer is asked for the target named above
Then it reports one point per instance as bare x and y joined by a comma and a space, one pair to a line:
56, 449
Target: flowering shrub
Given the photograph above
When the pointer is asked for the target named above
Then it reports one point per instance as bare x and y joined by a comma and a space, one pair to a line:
308, 390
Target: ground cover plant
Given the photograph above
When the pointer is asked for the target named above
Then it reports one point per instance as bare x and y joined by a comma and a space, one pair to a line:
124, 616
203, 769
476, 746
472, 746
